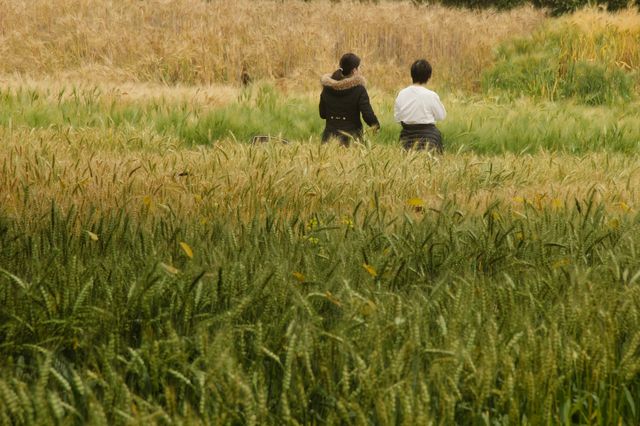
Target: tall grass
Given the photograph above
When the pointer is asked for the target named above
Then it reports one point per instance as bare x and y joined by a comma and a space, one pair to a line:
152, 176
588, 54
435, 316
155, 269
523, 125
591, 56
196, 42
477, 124
145, 279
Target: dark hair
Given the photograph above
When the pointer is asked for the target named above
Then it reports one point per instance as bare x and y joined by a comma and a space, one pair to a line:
421, 71
348, 63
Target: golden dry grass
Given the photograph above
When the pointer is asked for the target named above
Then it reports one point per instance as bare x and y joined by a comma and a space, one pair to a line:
604, 37
112, 170
56, 89
198, 42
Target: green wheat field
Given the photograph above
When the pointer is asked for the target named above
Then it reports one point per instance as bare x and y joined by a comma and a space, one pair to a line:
158, 268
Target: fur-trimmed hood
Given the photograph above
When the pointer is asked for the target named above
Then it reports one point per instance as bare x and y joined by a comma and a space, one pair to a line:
344, 84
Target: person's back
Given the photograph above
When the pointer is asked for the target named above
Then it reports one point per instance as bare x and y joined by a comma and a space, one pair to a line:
343, 99
417, 104
418, 109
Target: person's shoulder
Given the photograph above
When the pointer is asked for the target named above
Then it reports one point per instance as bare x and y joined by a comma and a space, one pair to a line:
406, 90
432, 93
429, 94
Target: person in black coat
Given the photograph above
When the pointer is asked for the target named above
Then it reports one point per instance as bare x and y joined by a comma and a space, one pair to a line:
343, 99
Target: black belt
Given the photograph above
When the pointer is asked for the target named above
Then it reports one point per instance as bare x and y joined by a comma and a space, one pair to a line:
419, 126
338, 118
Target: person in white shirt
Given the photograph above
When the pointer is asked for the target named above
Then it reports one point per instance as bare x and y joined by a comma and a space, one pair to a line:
417, 109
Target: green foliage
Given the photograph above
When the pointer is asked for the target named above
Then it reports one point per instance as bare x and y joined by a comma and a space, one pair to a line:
543, 67
542, 75
527, 126
482, 4
559, 7
596, 84
556, 7
444, 315
456, 319
483, 124
259, 110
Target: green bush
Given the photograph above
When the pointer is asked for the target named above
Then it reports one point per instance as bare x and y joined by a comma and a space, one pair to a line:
556, 7
542, 68
559, 7
482, 4
596, 84
542, 75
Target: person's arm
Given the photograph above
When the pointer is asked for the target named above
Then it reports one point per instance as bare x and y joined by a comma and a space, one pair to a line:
366, 110
396, 110
323, 109
439, 113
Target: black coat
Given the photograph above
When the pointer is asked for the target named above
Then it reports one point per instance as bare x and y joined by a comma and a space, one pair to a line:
341, 104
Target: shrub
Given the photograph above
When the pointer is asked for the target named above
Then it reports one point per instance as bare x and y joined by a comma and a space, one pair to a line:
577, 57
559, 7
596, 84
556, 7
483, 4
543, 75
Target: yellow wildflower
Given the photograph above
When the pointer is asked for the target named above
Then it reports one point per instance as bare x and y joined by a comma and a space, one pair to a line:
415, 202
346, 220
187, 249
624, 206
370, 269
312, 240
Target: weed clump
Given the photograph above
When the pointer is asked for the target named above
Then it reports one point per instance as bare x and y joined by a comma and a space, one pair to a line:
585, 57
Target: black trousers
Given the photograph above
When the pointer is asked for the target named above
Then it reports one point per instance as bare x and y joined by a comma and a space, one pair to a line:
421, 136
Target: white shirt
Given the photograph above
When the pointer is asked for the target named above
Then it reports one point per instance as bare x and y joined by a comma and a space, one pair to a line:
418, 105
